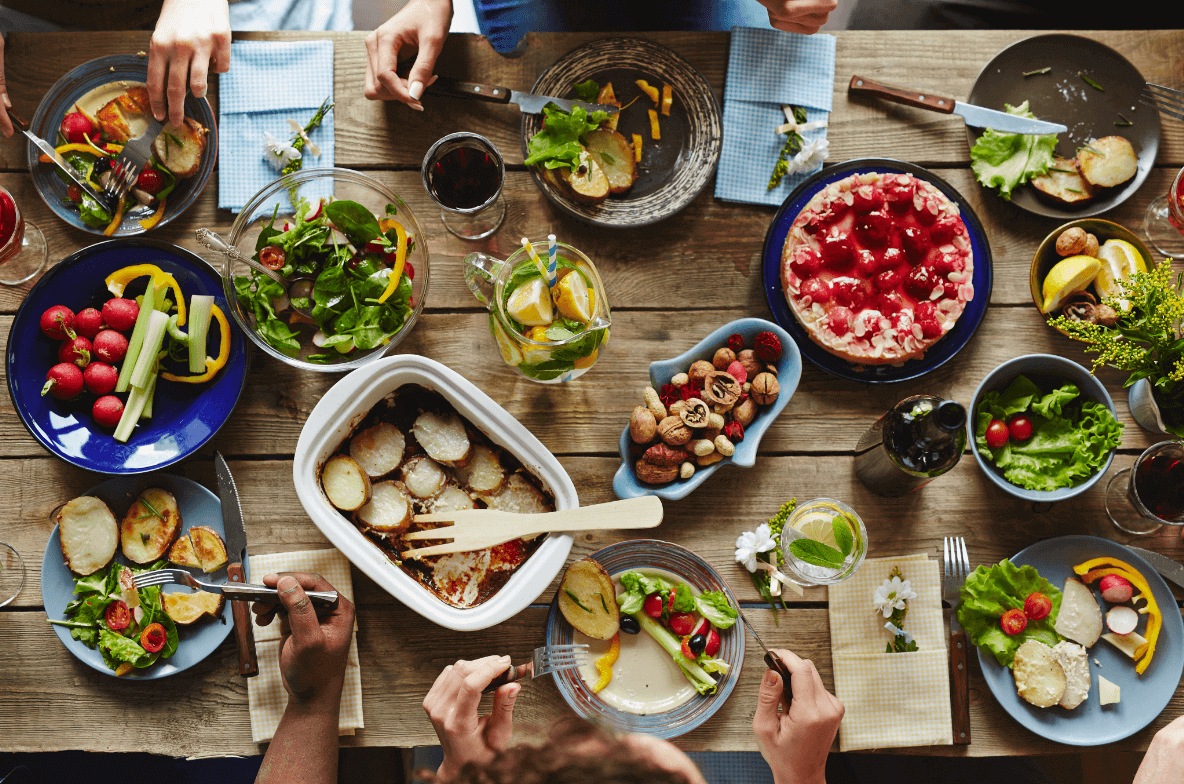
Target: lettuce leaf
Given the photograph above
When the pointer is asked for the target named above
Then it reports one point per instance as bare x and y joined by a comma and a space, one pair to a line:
558, 144
715, 607
991, 591
1007, 160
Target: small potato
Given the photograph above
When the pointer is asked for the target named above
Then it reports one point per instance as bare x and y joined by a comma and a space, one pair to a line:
1108, 161
423, 476
484, 473
346, 485
444, 438
587, 599
451, 499
389, 509
518, 495
379, 449
150, 526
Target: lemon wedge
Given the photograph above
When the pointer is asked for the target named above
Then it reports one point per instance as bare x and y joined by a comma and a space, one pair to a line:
1120, 260
573, 298
530, 304
510, 353
820, 528
1068, 277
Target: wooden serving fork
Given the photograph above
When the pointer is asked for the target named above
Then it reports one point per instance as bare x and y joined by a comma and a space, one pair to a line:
477, 529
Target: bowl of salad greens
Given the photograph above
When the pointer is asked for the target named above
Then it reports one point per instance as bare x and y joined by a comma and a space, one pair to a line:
1043, 428
354, 264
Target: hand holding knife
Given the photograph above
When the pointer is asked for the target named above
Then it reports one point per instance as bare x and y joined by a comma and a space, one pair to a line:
772, 660
56, 157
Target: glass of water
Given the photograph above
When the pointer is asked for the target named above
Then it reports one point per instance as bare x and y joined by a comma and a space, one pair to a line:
12, 574
839, 541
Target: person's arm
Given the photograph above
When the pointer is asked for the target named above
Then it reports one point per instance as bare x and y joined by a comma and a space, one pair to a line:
5, 123
312, 664
191, 38
799, 16
422, 24
1164, 761
452, 705
796, 740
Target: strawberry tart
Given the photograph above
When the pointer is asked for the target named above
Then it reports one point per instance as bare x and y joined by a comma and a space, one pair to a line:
878, 267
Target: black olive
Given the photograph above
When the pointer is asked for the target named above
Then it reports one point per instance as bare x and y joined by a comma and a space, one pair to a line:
629, 625
102, 165
697, 643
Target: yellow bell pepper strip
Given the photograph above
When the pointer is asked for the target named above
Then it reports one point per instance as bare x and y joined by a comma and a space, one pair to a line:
1100, 567
114, 224
150, 223
604, 665
112, 149
213, 364
392, 282
117, 283
655, 131
637, 148
649, 90
667, 99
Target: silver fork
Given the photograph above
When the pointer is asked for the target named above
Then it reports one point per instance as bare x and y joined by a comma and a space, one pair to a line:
1167, 100
957, 567
131, 161
233, 591
544, 660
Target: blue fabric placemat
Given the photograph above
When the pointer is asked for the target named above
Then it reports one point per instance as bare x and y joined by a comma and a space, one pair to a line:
268, 83
766, 69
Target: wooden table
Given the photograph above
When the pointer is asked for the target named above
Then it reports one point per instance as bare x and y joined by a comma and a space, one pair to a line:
670, 284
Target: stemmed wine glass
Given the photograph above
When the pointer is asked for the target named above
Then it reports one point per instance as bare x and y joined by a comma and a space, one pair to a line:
1152, 493
22, 245
12, 573
463, 173
1163, 223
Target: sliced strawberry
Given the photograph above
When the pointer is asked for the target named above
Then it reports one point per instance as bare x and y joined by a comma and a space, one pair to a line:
817, 289
916, 243
838, 252
839, 321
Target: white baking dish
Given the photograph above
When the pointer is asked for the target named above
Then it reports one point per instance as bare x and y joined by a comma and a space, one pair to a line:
346, 404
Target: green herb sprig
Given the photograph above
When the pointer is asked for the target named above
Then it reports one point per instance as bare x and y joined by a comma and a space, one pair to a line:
793, 143
1038, 71
1091, 82
298, 140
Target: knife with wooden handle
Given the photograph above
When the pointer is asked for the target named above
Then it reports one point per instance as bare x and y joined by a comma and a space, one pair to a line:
236, 545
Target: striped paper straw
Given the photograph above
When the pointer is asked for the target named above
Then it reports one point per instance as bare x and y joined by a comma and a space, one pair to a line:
535, 257
551, 258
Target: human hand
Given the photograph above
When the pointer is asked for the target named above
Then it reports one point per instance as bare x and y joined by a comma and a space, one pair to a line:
796, 741
5, 123
191, 37
422, 24
1165, 756
799, 16
452, 705
314, 651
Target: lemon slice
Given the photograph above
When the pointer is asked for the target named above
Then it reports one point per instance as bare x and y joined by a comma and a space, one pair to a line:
1120, 260
573, 298
510, 353
530, 304
1068, 277
820, 528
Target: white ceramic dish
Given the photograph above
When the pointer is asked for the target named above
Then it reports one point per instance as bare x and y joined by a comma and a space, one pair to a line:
340, 411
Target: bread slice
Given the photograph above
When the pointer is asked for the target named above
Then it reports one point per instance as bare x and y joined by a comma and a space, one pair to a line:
89, 534
1039, 679
1063, 183
150, 526
588, 601
181, 553
188, 608
1108, 161
614, 154
209, 548
180, 148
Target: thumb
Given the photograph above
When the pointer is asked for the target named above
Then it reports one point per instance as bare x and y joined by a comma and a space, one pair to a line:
420, 75
500, 728
765, 721
302, 618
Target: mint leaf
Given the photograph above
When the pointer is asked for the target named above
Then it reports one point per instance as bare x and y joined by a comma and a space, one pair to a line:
816, 553
843, 536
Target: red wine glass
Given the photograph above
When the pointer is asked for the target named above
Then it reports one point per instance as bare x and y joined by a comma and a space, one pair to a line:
1151, 494
22, 246
463, 173
1163, 223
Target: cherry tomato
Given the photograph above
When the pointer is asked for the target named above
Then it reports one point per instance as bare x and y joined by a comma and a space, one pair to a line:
1013, 621
150, 181
1020, 428
1037, 606
682, 623
653, 605
272, 257
153, 637
997, 433
686, 649
670, 601
74, 193
118, 616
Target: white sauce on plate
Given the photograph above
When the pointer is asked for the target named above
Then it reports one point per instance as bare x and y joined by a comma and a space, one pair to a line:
96, 99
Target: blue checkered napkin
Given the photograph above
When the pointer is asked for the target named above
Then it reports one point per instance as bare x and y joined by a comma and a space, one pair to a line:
269, 82
766, 69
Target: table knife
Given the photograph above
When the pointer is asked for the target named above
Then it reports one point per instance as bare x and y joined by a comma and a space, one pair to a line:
236, 545
772, 661
56, 157
527, 102
1168, 568
978, 116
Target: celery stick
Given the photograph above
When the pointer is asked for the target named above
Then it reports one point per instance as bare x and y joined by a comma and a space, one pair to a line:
153, 338
131, 414
200, 312
137, 340
703, 683
151, 390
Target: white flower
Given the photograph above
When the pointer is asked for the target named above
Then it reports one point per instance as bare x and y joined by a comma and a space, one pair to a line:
891, 595
812, 154
749, 544
278, 152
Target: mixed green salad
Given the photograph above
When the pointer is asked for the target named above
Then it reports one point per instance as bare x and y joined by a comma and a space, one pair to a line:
360, 292
1045, 441
990, 592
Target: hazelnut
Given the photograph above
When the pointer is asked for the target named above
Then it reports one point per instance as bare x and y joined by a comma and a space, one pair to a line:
699, 370
724, 357
642, 425
707, 460
1071, 241
721, 389
674, 431
765, 389
694, 413
652, 474
663, 455
654, 403
676, 408
745, 412
680, 380
1091, 246
724, 446
686, 470
703, 447
749, 362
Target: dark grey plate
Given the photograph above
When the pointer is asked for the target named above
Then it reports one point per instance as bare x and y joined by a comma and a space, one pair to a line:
1062, 96
674, 170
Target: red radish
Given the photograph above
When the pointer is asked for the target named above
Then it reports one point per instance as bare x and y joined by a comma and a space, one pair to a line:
110, 346
997, 433
701, 627
314, 210
409, 270
63, 381
1037, 606
686, 649
1122, 620
100, 378
1013, 621
670, 600
120, 313
682, 623
76, 127
653, 605
77, 351
1116, 589
712, 646
1020, 428
88, 323
58, 322
107, 411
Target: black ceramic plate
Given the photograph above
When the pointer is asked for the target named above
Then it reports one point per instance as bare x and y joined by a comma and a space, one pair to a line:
673, 170
1063, 96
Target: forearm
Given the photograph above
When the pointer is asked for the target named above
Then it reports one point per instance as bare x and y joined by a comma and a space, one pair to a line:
304, 748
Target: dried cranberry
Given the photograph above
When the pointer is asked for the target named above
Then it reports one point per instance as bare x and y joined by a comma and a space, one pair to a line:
668, 394
736, 342
734, 431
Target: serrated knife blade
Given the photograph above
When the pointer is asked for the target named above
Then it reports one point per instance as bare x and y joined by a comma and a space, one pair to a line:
236, 545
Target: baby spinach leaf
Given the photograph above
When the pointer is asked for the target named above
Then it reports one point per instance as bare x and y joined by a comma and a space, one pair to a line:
354, 220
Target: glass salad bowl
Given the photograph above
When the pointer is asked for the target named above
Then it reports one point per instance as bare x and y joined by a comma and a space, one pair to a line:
327, 305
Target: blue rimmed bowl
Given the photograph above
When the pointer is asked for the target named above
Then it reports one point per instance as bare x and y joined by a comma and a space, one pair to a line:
789, 372
1047, 371
652, 554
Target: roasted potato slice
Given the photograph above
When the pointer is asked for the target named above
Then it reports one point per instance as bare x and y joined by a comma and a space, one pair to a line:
209, 548
345, 483
517, 495
89, 534
613, 153
150, 526
188, 608
1063, 183
1039, 678
111, 120
389, 508
451, 499
379, 449
182, 553
180, 147
588, 600
484, 473
444, 438
1108, 161
588, 183
423, 476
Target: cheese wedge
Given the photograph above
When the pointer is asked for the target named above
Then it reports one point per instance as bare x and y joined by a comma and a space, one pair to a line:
1080, 618
1108, 693
1127, 643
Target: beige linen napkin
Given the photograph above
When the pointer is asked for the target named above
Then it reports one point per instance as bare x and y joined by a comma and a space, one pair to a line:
265, 692
891, 699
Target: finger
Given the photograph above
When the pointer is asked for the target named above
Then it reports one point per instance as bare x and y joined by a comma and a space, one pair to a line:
158, 66
5, 122
477, 675
221, 53
302, 619
500, 728
765, 721
371, 89
388, 80
794, 27
434, 694
421, 73
177, 83
199, 68
803, 677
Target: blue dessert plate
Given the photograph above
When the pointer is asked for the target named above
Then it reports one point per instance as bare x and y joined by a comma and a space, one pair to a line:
1143, 696
943, 350
198, 506
185, 416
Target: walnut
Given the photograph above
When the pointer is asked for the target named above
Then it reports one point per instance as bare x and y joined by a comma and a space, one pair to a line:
752, 365
676, 408
694, 413
745, 412
699, 370
642, 425
724, 357
663, 455
652, 474
765, 389
721, 389
1071, 242
674, 431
